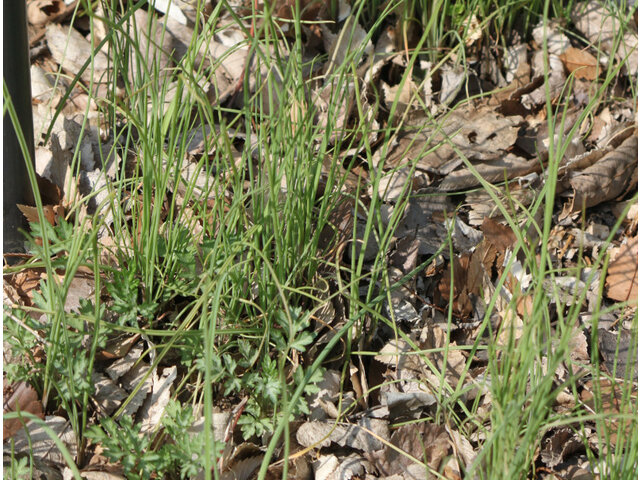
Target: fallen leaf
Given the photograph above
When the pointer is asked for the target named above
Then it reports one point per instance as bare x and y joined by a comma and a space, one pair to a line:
479, 134
557, 42
555, 83
35, 440
31, 213
615, 348
41, 12
70, 50
152, 410
581, 62
601, 26
563, 443
422, 219
107, 394
23, 398
622, 276
422, 441
611, 176
351, 42
358, 436
132, 380
494, 171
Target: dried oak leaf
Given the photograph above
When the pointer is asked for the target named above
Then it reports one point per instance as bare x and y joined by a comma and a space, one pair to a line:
19, 287
31, 213
368, 435
419, 440
467, 279
480, 134
498, 239
622, 277
610, 177
35, 440
70, 49
601, 27
563, 443
556, 80
41, 12
23, 398
615, 348
610, 400
581, 62
508, 167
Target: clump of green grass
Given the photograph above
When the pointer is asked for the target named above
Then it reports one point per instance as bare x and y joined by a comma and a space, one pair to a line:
240, 268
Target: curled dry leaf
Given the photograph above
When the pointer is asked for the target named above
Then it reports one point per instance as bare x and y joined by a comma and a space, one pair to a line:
328, 467
418, 440
563, 443
473, 30
480, 134
557, 42
581, 63
71, 50
107, 394
453, 78
518, 70
350, 43
622, 277
522, 189
493, 171
139, 374
601, 26
121, 366
94, 475
35, 441
244, 462
556, 80
615, 348
367, 435
613, 175
22, 398
423, 219
41, 12
51, 213
153, 408
467, 279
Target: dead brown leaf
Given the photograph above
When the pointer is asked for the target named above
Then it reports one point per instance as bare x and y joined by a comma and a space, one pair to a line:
24, 282
358, 436
606, 398
467, 279
563, 443
555, 84
581, 63
31, 213
480, 134
601, 27
419, 440
622, 277
41, 12
22, 398
494, 171
612, 176
615, 348
498, 239
70, 50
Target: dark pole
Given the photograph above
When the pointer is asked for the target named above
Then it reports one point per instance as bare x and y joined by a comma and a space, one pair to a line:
16, 186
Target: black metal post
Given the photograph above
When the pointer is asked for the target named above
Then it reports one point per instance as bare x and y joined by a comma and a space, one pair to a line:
16, 186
